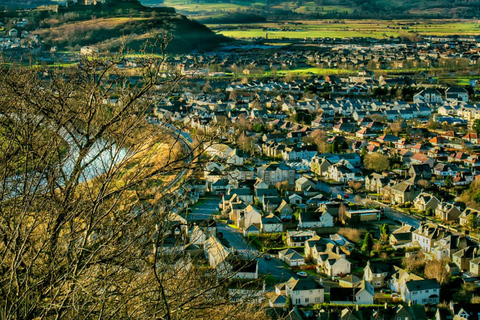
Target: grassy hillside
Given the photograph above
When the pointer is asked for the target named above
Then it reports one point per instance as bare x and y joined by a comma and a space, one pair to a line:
205, 10
107, 26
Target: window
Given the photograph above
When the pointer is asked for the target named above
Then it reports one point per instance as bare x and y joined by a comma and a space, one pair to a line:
297, 292
310, 291
414, 292
318, 299
297, 301
426, 291
307, 300
424, 300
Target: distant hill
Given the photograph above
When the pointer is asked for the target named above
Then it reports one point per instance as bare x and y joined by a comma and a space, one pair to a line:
206, 10
107, 26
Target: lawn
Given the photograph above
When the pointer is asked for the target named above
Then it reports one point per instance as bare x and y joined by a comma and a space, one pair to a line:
350, 28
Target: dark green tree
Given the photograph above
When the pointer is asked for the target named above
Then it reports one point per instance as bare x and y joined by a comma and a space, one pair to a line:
367, 242
472, 221
476, 126
448, 182
288, 303
335, 147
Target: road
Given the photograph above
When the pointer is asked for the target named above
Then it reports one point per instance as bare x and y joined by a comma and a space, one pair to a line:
273, 267
186, 142
389, 212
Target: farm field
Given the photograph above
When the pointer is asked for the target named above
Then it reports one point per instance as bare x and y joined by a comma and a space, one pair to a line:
348, 28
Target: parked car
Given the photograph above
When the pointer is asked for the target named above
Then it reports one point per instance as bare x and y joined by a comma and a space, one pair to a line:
302, 274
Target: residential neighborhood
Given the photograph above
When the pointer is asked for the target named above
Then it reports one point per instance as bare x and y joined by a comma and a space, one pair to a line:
342, 200
317, 178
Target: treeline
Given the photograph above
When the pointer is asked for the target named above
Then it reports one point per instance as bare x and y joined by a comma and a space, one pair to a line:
237, 17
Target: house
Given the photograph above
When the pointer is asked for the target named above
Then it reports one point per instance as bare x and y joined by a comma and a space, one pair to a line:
304, 292
464, 217
334, 264
464, 311
271, 224
401, 237
428, 96
403, 192
316, 246
251, 216
463, 257
362, 215
425, 201
400, 277
291, 257
446, 247
251, 230
456, 94
227, 263
362, 293
276, 172
447, 211
303, 183
297, 238
375, 182
284, 210
420, 158
472, 137
377, 273
408, 312
427, 234
315, 220
220, 150
474, 267
463, 178
340, 173
349, 281
420, 171
295, 199
421, 291
236, 157
320, 166
444, 170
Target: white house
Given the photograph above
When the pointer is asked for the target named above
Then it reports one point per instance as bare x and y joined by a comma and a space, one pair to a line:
456, 94
361, 293
251, 216
315, 220
340, 173
424, 201
304, 292
421, 291
428, 96
337, 266
291, 257
271, 223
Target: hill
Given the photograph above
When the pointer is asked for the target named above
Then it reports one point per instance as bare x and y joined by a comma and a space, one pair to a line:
208, 11
108, 26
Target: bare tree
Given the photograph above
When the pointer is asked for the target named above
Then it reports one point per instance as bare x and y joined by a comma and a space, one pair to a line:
435, 269
87, 229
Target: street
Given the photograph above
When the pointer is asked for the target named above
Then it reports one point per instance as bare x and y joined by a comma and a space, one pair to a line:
274, 267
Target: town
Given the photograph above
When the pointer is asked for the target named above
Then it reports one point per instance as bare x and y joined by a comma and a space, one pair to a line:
331, 192
339, 178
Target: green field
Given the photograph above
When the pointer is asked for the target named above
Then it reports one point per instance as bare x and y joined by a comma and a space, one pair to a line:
362, 28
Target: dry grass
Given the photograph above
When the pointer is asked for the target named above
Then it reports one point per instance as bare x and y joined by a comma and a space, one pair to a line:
354, 235
64, 31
